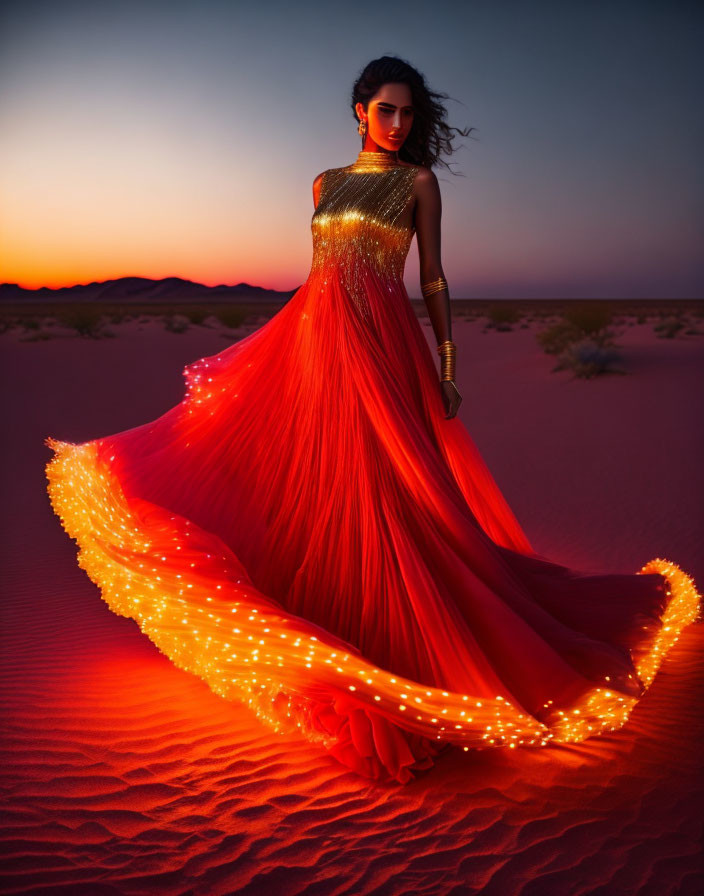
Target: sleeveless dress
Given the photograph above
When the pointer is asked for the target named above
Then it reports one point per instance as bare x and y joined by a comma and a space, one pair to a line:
308, 533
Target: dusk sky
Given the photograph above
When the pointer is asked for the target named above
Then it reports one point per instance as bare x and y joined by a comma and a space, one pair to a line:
181, 139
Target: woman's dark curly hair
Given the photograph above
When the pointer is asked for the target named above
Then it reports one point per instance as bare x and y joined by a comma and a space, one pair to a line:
430, 135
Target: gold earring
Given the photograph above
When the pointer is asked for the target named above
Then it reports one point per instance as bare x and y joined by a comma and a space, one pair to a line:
362, 130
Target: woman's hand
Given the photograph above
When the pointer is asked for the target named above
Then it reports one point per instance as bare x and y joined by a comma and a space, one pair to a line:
451, 398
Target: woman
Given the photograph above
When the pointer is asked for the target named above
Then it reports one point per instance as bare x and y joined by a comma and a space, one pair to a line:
312, 529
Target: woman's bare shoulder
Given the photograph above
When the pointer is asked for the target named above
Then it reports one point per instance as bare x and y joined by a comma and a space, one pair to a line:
424, 175
425, 183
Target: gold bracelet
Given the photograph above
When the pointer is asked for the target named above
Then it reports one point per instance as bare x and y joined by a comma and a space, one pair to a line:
433, 286
448, 357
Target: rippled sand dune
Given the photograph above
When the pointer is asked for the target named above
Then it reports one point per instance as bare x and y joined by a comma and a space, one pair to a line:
125, 775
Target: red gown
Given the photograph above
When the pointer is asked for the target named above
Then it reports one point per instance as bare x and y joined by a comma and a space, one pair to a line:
308, 533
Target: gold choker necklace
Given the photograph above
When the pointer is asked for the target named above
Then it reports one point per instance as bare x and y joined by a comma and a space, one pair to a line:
375, 161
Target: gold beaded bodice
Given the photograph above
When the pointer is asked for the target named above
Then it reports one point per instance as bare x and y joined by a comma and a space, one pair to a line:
355, 224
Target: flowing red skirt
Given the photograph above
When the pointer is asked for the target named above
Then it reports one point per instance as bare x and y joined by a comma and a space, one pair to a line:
308, 532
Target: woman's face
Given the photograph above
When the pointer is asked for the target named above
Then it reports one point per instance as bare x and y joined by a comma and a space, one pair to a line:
389, 116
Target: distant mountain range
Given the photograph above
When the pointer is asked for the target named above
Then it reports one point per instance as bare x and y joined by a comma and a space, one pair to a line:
143, 290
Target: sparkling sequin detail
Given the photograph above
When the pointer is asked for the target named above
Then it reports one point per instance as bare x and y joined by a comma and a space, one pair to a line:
355, 227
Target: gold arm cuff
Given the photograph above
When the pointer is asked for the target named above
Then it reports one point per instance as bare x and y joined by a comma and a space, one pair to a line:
433, 286
448, 356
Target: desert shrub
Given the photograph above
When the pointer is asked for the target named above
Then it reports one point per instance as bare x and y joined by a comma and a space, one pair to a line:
587, 358
554, 339
176, 323
30, 323
669, 327
87, 321
579, 323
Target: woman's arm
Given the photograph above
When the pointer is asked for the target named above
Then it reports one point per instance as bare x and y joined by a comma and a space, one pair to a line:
428, 212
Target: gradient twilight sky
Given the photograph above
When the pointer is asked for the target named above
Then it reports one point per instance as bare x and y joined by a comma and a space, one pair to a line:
181, 139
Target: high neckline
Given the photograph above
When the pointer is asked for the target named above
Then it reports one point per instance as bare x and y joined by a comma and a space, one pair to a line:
375, 161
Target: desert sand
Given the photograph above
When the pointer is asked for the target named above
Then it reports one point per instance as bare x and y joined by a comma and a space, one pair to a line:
124, 775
